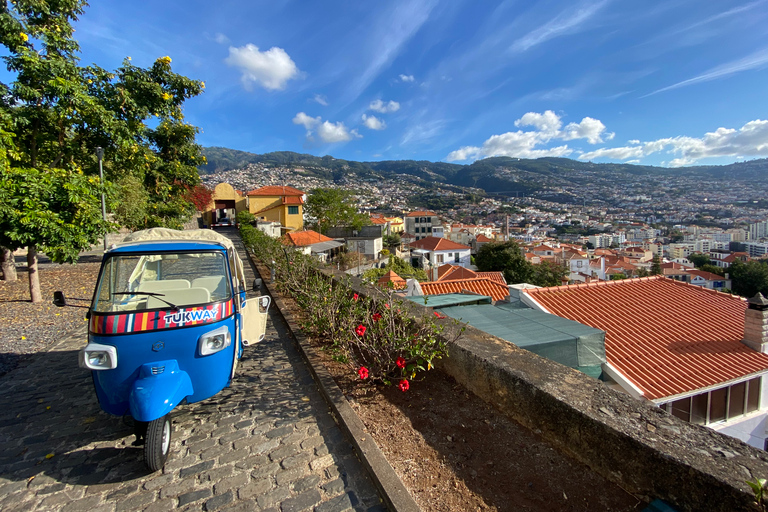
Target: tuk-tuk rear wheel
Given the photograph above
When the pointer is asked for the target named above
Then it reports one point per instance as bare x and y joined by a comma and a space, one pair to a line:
157, 443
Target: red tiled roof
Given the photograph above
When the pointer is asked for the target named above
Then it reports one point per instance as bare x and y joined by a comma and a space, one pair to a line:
392, 277
421, 213
709, 276
493, 276
378, 220
304, 238
479, 285
433, 243
481, 238
666, 337
276, 190
293, 200
450, 272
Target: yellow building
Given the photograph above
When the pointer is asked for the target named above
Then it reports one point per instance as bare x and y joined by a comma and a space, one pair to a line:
226, 203
278, 203
396, 224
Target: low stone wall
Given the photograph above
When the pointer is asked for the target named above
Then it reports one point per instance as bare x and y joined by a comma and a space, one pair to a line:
642, 448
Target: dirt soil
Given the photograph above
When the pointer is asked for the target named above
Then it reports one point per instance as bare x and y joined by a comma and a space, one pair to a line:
455, 452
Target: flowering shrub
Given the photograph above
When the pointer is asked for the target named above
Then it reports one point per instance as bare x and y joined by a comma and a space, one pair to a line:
374, 334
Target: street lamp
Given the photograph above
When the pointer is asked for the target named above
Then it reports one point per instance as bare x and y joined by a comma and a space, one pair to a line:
100, 156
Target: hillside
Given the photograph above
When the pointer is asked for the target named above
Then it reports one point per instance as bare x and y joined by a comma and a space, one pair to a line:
496, 175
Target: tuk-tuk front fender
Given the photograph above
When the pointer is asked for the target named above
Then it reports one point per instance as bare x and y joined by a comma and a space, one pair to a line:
161, 386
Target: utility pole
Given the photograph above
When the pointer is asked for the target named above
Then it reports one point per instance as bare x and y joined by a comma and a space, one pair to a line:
100, 156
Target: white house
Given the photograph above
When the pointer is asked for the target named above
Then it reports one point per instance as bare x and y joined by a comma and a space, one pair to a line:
433, 251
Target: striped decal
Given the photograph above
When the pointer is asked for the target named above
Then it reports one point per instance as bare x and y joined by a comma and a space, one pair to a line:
123, 323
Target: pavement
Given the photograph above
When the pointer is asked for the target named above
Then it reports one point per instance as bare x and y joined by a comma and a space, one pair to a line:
267, 443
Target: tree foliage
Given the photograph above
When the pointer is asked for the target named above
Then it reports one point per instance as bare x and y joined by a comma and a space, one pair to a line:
331, 207
749, 278
656, 269
505, 257
547, 273
53, 116
698, 259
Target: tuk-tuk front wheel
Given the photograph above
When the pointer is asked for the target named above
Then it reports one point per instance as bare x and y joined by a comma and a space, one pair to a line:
157, 443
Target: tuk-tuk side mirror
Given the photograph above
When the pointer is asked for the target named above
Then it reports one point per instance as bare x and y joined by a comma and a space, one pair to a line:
59, 300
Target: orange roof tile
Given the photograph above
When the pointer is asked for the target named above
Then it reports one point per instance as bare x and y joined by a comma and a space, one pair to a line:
666, 337
452, 272
493, 276
392, 277
433, 243
378, 220
709, 276
276, 190
293, 200
421, 213
304, 238
479, 285
481, 238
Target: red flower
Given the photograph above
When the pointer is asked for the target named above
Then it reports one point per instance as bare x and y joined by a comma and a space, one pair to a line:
355, 296
403, 385
363, 372
360, 330
376, 317
400, 362
386, 306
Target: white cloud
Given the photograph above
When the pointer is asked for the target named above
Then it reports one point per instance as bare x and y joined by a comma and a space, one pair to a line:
525, 144
270, 69
383, 108
562, 24
589, 128
633, 141
407, 78
319, 98
758, 59
327, 131
373, 122
335, 132
306, 121
221, 38
751, 140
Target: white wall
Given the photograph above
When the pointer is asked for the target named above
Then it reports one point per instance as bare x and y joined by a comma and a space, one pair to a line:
750, 428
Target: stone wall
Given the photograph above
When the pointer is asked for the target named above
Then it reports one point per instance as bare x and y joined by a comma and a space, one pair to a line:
643, 448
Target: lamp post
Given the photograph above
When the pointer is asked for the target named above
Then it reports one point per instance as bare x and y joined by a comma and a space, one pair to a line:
100, 156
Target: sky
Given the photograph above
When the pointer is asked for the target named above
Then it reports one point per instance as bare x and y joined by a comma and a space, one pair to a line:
671, 83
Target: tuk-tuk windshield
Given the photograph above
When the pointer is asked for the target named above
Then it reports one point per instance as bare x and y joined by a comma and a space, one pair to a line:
133, 282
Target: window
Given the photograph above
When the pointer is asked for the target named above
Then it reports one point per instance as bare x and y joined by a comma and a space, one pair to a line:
719, 404
429, 230
418, 220
439, 258
456, 258
293, 210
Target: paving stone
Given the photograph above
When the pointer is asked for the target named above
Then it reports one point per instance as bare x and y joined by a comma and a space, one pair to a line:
290, 475
82, 505
197, 468
280, 432
300, 460
178, 488
193, 496
283, 452
162, 505
216, 474
306, 483
233, 456
255, 488
265, 446
338, 504
252, 462
273, 497
335, 487
304, 501
217, 502
231, 483
157, 482
322, 462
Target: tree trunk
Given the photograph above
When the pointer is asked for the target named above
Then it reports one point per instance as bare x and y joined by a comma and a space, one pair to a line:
7, 264
34, 279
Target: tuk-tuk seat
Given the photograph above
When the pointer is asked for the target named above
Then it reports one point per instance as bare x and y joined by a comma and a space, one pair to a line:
214, 284
180, 298
163, 285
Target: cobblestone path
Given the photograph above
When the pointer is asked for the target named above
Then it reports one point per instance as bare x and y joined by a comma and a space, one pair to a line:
266, 443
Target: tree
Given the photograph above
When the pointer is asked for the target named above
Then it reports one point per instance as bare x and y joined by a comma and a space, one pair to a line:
392, 240
698, 259
656, 266
547, 273
504, 257
200, 196
56, 113
331, 207
749, 278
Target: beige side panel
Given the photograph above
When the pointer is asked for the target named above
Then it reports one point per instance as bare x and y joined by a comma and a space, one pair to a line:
254, 315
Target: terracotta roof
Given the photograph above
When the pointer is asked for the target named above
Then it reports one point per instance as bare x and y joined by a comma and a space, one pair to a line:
378, 220
293, 200
304, 238
421, 213
493, 276
450, 272
666, 337
276, 190
479, 285
392, 277
709, 276
433, 243
481, 238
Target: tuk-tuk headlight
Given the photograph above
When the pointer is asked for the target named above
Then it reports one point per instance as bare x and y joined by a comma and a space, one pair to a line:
96, 356
214, 341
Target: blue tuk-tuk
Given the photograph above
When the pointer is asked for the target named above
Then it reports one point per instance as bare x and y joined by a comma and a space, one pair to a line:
167, 324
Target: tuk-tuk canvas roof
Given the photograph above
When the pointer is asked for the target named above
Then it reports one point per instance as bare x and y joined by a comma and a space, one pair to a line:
191, 235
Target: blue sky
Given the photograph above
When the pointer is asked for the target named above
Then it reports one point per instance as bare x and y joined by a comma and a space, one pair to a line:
673, 82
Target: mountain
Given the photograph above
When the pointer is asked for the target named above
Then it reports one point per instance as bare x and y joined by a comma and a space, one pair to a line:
495, 175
